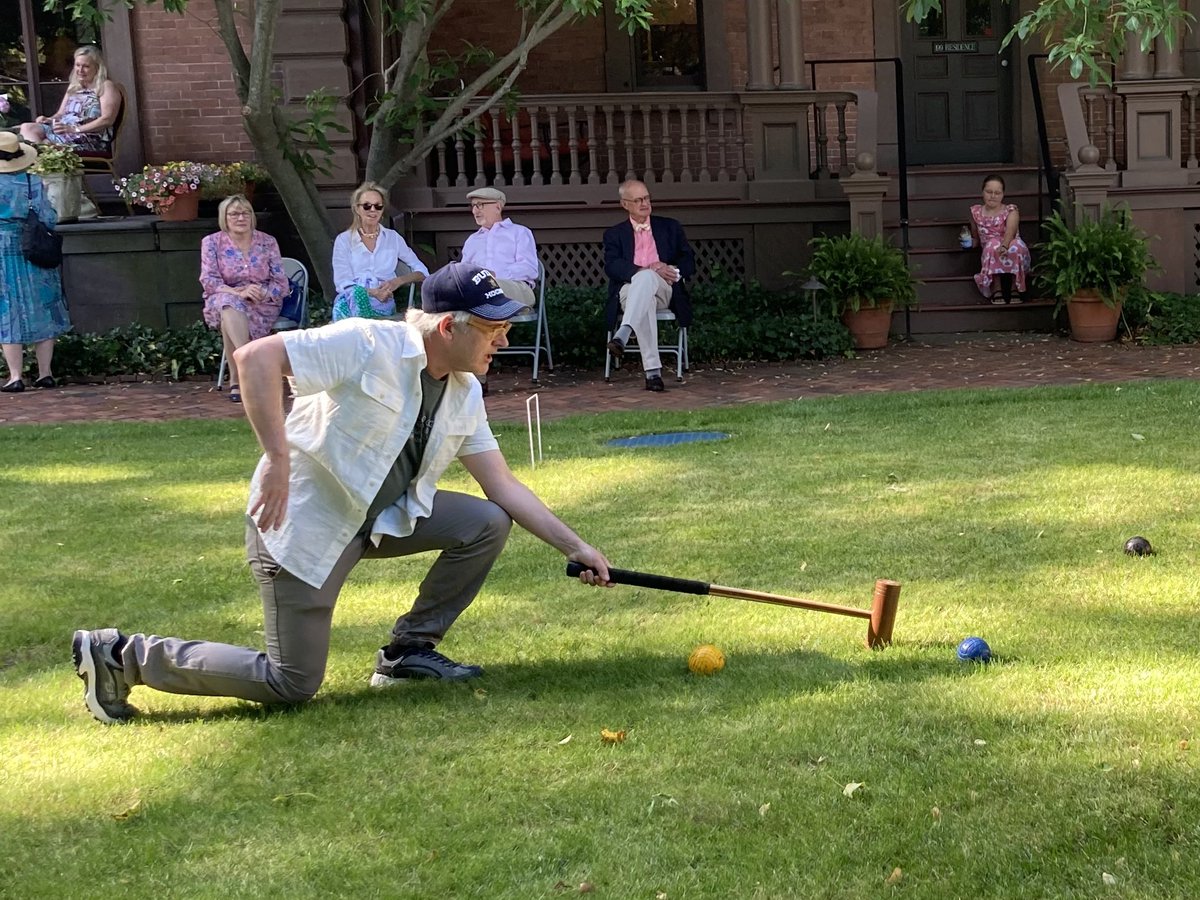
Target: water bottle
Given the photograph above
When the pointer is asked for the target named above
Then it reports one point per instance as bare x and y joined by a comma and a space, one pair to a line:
964, 238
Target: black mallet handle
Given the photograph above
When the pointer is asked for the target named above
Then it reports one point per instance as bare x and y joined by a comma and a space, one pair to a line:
644, 579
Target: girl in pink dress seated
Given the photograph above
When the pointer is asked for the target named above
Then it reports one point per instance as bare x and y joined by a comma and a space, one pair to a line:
1005, 256
241, 272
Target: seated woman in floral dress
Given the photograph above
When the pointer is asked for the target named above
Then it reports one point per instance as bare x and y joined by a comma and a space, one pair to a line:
241, 272
86, 115
1005, 257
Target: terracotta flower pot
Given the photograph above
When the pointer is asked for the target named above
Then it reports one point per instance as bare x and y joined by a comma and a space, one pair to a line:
1092, 320
869, 326
185, 208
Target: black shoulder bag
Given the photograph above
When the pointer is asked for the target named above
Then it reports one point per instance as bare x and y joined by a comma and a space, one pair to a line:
40, 244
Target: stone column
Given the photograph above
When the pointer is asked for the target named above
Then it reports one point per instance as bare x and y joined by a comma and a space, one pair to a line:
758, 45
1135, 63
865, 190
1168, 61
792, 76
1087, 187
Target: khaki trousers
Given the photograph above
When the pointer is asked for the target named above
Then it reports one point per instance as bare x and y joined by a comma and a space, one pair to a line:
641, 299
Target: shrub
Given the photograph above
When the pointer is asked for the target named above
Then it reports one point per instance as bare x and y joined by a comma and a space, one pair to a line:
733, 321
139, 350
1167, 318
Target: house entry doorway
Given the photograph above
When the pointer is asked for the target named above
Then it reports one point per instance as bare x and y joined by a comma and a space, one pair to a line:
959, 86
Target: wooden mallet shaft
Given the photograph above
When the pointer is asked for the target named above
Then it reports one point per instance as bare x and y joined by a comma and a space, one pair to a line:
881, 616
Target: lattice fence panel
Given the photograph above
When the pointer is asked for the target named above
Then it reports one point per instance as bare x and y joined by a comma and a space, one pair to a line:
582, 263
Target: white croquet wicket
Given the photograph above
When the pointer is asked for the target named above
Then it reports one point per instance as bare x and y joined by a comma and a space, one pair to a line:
533, 409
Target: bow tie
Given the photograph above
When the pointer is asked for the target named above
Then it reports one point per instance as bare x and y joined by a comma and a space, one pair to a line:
645, 226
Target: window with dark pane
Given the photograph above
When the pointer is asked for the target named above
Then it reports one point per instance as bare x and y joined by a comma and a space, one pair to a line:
671, 53
933, 25
979, 18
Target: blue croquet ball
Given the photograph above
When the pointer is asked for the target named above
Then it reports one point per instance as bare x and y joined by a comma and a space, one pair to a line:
974, 649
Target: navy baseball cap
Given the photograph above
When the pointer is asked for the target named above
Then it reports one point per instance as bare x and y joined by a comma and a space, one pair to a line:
461, 286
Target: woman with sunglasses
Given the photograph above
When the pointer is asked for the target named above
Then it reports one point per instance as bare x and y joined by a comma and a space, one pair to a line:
365, 258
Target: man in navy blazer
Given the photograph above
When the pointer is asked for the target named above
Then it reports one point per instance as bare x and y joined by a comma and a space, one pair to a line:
646, 259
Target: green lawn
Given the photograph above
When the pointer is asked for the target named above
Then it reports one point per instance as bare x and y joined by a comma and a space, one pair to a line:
1003, 513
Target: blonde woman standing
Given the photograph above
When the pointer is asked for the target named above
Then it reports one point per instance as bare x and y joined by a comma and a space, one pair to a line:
88, 110
365, 257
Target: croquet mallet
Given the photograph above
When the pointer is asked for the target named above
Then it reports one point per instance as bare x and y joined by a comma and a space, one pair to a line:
880, 617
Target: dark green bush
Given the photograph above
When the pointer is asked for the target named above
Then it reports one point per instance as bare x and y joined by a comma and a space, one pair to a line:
734, 320
139, 350
1163, 318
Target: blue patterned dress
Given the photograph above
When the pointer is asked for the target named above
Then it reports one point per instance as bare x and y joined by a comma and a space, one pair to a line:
32, 307
81, 107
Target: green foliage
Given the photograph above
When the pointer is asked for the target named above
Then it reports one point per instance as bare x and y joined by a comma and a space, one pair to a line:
736, 320
307, 146
139, 350
57, 159
227, 179
733, 321
1107, 255
1166, 318
859, 271
1086, 35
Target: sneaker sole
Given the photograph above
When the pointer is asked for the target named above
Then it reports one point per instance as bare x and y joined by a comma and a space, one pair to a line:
379, 680
85, 668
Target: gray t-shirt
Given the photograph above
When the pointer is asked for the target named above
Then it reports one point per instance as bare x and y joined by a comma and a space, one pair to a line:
408, 463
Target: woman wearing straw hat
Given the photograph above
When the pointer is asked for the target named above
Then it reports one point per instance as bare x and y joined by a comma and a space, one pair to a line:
32, 308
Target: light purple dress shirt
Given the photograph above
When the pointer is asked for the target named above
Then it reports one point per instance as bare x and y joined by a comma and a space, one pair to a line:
507, 249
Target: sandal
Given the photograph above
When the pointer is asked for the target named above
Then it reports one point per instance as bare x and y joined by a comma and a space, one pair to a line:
235, 394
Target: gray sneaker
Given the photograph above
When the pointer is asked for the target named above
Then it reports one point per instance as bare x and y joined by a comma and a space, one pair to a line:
105, 691
419, 662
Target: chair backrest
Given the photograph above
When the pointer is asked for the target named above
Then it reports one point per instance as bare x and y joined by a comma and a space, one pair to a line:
104, 159
403, 269
296, 307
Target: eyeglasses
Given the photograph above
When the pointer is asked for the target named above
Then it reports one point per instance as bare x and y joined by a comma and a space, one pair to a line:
238, 214
638, 201
378, 207
480, 204
494, 330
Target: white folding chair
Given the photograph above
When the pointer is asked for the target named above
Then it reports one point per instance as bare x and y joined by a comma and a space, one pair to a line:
679, 349
296, 274
542, 333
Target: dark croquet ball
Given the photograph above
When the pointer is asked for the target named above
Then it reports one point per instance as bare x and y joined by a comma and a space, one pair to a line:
1138, 546
974, 649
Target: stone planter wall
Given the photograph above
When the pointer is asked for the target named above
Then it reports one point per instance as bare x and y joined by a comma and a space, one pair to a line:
135, 269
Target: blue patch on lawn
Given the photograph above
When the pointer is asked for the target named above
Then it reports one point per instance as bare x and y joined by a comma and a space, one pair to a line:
668, 440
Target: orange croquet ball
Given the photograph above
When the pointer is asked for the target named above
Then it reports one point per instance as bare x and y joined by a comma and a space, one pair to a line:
706, 660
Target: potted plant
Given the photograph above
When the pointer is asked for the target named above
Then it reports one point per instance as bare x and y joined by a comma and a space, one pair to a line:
61, 170
232, 178
1090, 267
171, 190
864, 279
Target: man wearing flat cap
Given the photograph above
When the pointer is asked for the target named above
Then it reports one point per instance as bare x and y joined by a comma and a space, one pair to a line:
382, 408
502, 246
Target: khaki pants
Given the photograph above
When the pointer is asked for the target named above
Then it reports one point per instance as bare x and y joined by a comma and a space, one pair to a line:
641, 299
469, 532
517, 290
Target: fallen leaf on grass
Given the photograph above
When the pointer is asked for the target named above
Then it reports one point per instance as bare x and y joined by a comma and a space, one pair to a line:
129, 812
1108, 879
853, 786
936, 813
1183, 745
660, 895
586, 887
566, 740
762, 810
1137, 437
980, 742
288, 798
895, 877
612, 737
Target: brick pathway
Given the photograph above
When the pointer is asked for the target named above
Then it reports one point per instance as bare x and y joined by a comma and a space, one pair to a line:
994, 361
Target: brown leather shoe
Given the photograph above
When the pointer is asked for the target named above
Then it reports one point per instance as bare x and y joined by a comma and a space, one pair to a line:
617, 350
